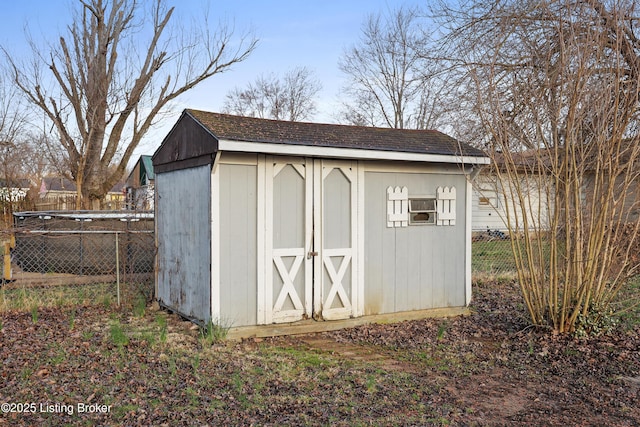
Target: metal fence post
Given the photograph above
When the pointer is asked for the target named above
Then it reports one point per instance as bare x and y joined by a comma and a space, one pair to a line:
81, 246
118, 269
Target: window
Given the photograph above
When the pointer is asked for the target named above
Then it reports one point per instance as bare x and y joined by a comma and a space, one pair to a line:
487, 201
422, 210
487, 198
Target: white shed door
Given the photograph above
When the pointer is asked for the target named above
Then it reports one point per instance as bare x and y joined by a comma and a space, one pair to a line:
288, 236
309, 239
335, 290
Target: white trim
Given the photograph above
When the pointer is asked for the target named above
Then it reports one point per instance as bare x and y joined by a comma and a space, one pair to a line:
215, 244
355, 255
216, 162
237, 158
288, 276
358, 304
415, 167
345, 153
318, 266
308, 236
467, 240
268, 233
260, 241
336, 277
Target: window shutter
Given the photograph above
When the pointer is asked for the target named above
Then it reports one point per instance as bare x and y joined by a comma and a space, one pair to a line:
397, 207
446, 205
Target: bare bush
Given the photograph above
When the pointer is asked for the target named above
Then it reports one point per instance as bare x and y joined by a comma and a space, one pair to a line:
555, 87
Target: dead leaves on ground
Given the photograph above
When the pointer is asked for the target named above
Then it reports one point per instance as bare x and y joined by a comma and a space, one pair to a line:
489, 368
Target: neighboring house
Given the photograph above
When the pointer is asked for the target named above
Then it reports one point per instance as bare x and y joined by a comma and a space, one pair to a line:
626, 193
13, 196
494, 196
115, 199
57, 193
13, 190
261, 222
140, 185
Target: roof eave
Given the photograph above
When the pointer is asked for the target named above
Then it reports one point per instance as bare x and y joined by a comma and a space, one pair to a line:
345, 153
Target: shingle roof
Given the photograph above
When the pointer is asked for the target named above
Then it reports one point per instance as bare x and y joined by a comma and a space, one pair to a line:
59, 184
63, 184
15, 183
249, 129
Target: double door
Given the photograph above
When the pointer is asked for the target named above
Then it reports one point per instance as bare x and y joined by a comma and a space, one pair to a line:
310, 239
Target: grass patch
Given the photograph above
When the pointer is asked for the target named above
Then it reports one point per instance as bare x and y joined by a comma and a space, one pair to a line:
213, 333
121, 411
26, 297
118, 335
60, 354
161, 322
72, 319
491, 256
140, 306
442, 329
626, 308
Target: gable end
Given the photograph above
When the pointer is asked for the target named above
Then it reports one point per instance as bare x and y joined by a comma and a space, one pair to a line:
187, 145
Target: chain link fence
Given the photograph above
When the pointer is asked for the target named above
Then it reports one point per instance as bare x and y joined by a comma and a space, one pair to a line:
492, 256
80, 257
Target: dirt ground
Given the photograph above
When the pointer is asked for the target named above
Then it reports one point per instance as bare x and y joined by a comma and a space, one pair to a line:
519, 374
490, 368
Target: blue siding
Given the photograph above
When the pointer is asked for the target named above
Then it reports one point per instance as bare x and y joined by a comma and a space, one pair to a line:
184, 241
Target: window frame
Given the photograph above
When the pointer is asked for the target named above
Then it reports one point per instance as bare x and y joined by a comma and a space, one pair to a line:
433, 213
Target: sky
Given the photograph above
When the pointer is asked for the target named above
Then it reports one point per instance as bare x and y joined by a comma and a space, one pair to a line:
291, 33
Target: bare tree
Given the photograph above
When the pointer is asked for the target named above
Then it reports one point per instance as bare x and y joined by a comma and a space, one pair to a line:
288, 98
556, 89
391, 80
12, 150
112, 74
12, 114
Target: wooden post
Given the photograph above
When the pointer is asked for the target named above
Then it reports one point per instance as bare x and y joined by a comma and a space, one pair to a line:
6, 272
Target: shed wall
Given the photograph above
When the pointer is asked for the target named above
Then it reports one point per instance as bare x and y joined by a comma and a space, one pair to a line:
238, 245
418, 266
184, 246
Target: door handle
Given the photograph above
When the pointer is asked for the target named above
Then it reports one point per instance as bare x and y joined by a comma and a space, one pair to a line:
311, 254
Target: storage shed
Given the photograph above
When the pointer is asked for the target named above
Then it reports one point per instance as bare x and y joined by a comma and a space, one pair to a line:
262, 221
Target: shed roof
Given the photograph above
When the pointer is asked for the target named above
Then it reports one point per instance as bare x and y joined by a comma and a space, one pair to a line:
250, 129
249, 134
